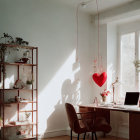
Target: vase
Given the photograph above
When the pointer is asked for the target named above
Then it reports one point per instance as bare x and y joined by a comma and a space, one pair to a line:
104, 99
29, 86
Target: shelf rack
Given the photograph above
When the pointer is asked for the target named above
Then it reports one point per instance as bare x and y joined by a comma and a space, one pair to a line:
3, 65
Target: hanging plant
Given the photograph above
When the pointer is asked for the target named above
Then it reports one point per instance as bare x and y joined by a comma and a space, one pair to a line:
8, 39
20, 41
5, 52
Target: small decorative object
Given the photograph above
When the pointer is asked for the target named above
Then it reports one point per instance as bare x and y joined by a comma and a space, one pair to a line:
104, 94
17, 99
113, 86
95, 102
29, 84
19, 84
27, 115
24, 60
99, 78
26, 56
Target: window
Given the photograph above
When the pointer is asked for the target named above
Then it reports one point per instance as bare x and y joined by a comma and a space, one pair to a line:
129, 76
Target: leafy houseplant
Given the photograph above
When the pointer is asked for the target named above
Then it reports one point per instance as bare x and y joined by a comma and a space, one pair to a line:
29, 84
8, 39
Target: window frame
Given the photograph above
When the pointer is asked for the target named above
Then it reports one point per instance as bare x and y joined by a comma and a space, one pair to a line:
122, 32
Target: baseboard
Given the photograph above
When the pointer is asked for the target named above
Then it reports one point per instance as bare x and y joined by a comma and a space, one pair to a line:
55, 133
120, 134
67, 132
58, 133
64, 132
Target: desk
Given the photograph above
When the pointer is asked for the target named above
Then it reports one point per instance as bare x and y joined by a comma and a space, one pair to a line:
134, 117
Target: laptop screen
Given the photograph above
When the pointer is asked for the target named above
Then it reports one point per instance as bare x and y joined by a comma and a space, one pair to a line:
131, 98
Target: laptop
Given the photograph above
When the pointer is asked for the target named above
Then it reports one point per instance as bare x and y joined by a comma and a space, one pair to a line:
131, 100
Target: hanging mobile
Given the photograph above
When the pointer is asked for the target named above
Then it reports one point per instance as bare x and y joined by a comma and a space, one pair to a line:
100, 77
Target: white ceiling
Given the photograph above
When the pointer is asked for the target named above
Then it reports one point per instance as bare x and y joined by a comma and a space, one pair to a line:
104, 5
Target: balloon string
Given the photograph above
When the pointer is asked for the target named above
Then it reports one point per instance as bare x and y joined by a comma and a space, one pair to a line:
98, 35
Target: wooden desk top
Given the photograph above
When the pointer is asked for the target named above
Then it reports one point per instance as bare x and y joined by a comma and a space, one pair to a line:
113, 108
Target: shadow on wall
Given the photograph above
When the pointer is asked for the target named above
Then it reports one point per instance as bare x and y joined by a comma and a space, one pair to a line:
64, 87
70, 93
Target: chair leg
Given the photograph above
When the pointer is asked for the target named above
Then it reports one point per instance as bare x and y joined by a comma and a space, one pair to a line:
78, 137
71, 134
92, 135
84, 136
95, 136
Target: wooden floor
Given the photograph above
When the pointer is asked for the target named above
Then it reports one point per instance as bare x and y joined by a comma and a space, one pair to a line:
68, 138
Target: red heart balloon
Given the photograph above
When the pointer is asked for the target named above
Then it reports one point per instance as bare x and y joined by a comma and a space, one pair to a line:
99, 78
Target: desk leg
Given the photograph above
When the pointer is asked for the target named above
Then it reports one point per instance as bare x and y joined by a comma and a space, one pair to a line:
134, 126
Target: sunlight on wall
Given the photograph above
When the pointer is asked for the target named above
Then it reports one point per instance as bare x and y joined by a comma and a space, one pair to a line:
9, 82
53, 94
110, 79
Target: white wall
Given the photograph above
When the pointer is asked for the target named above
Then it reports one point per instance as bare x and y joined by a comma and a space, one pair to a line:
127, 12
129, 27
51, 26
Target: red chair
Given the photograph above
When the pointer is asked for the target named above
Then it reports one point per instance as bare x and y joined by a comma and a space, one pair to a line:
79, 126
100, 120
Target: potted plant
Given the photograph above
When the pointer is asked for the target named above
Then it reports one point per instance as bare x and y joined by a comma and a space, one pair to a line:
29, 84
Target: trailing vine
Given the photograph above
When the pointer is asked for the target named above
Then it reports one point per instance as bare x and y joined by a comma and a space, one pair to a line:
8, 39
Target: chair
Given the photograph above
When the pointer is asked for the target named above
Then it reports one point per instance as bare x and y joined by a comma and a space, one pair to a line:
100, 120
79, 126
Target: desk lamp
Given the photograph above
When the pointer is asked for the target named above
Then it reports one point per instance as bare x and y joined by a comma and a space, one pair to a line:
113, 86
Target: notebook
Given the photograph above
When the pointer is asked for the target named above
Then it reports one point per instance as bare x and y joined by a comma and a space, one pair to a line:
131, 100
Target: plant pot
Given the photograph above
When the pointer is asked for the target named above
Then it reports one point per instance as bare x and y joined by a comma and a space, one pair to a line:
29, 86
